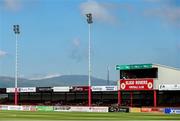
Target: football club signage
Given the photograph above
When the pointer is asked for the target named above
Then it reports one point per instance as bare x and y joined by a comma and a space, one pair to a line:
136, 84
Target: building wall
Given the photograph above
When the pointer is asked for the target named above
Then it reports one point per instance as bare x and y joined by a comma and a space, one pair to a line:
167, 75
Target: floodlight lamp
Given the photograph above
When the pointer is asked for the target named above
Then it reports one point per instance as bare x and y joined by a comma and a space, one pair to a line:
89, 18
16, 29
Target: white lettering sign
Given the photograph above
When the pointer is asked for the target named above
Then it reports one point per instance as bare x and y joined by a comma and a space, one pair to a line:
169, 87
104, 88
27, 89
61, 89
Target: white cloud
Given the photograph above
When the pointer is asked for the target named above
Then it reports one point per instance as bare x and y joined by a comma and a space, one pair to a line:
167, 10
153, 1
178, 45
13, 5
41, 77
100, 11
77, 52
17, 5
168, 14
2, 53
76, 42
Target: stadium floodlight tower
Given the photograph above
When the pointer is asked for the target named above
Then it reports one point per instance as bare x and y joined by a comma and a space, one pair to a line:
17, 32
89, 21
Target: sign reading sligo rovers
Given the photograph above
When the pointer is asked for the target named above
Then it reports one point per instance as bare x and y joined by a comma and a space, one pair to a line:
136, 84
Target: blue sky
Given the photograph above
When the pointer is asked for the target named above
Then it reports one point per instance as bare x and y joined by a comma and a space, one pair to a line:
54, 35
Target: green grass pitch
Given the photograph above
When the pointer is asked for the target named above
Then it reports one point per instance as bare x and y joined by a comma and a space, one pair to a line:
38, 116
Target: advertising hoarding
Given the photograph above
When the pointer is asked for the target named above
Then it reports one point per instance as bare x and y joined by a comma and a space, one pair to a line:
55, 108
21, 89
14, 107
171, 111
44, 89
88, 109
104, 88
3, 107
11, 90
44, 108
79, 89
118, 109
28, 108
27, 89
169, 87
61, 89
98, 109
62, 108
2, 90
80, 109
153, 109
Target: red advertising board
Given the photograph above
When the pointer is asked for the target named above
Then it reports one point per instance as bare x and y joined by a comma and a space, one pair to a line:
136, 84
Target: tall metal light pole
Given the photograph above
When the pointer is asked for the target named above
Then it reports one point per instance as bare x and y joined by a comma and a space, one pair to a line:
108, 75
17, 32
89, 21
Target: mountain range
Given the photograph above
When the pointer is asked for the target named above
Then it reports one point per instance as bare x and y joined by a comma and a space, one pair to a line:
64, 80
